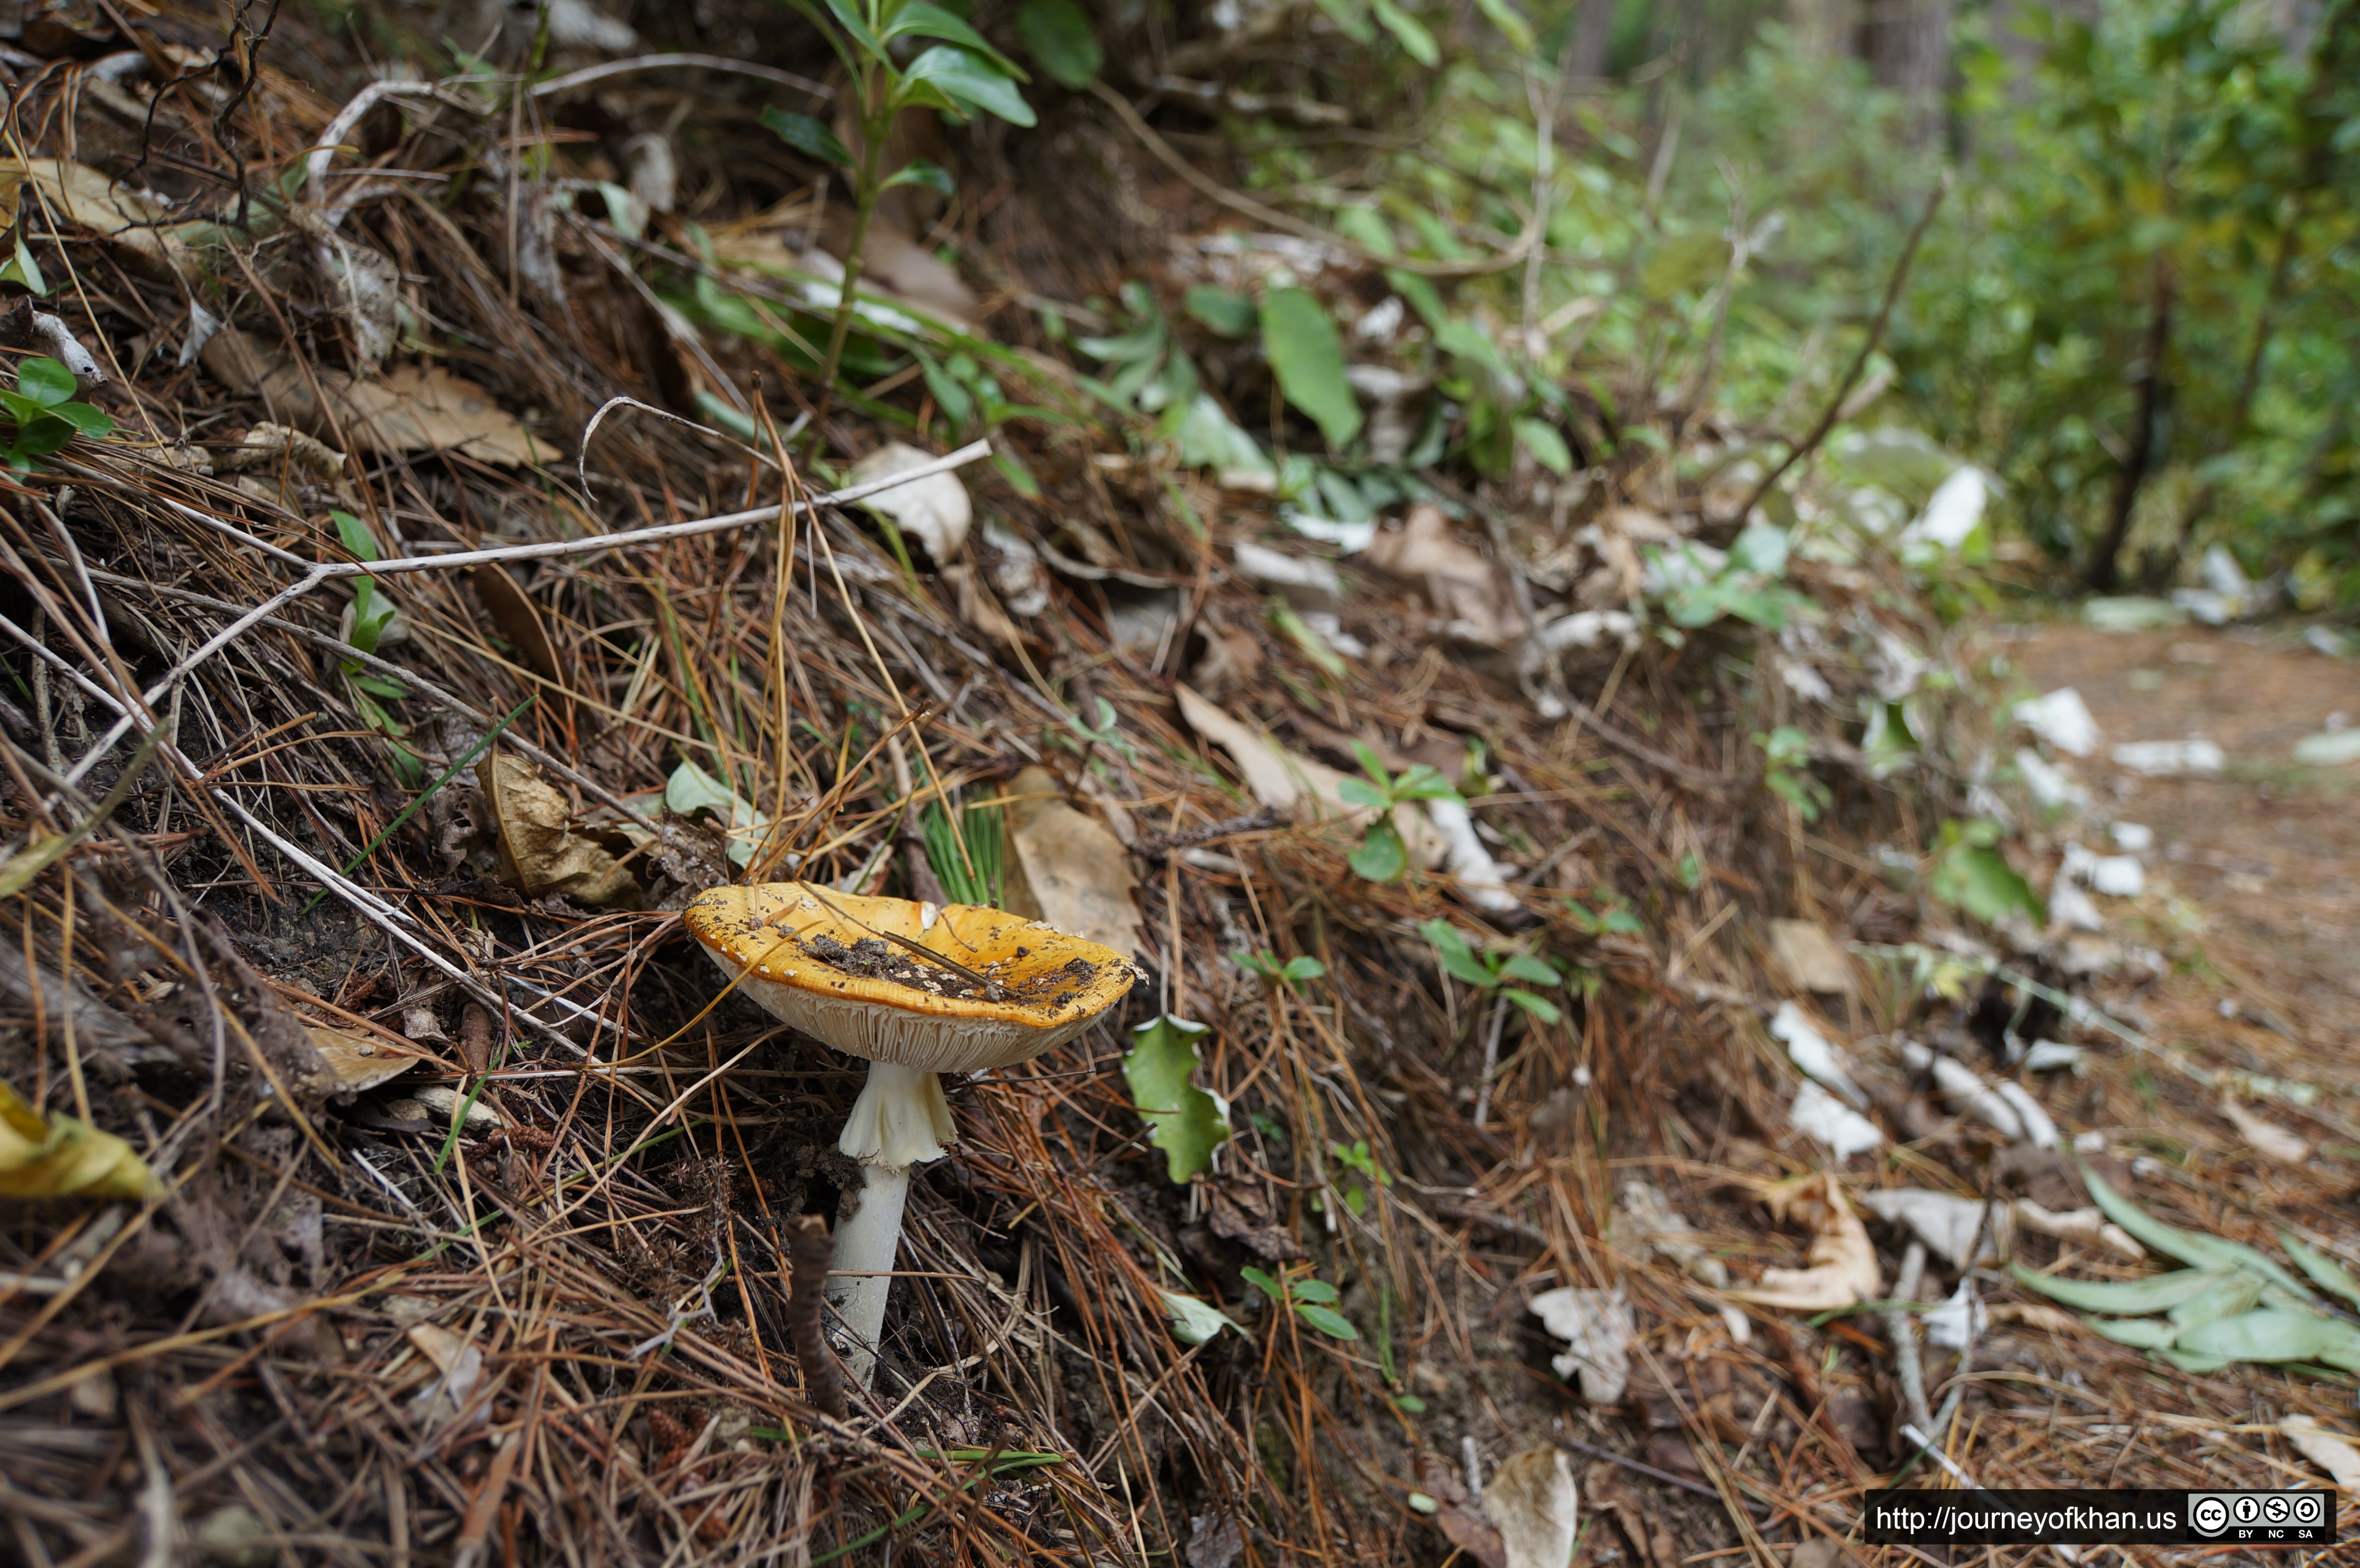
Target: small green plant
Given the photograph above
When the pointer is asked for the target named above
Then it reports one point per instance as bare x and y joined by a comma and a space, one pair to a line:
1489, 973
1383, 857
974, 877
45, 414
1281, 976
1968, 872
1787, 751
1311, 1300
372, 619
961, 75
1367, 1172
1608, 913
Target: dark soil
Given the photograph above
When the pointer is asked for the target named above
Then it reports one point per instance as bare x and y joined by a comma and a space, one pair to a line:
871, 958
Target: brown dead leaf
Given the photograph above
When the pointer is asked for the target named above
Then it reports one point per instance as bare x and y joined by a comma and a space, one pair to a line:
1305, 789
1473, 1534
1533, 1504
1469, 594
117, 213
1651, 1544
412, 409
539, 851
1843, 1270
1803, 957
357, 1060
512, 609
1071, 869
1238, 1212
2265, 1138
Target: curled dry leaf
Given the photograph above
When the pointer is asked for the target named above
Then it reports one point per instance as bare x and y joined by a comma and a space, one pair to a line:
2330, 1451
935, 511
539, 851
1469, 595
2267, 1138
1534, 1505
1071, 868
1843, 1270
412, 409
63, 1158
357, 1060
519, 619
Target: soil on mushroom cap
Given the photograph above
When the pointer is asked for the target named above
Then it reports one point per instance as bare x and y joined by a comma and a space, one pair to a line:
872, 958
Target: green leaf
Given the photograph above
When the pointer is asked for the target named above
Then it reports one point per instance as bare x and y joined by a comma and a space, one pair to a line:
925, 20
2190, 1246
1513, 26
22, 268
1058, 34
1547, 447
1317, 1290
1307, 358
972, 84
2240, 1292
1327, 1321
1458, 959
1981, 882
43, 434
95, 423
44, 381
358, 541
1349, 19
1184, 1121
1531, 967
1762, 548
2277, 1335
2124, 1298
1360, 793
1382, 856
1194, 1322
377, 685
1225, 311
2146, 1334
1409, 30
1540, 1007
920, 171
2325, 1271
1300, 969
1262, 1281
807, 137
690, 790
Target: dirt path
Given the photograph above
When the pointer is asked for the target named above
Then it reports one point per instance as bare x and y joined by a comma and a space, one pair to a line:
2263, 856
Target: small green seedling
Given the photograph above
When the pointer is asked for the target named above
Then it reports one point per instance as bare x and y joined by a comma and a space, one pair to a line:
960, 76
1968, 872
1281, 976
1489, 973
1608, 913
46, 415
1382, 856
373, 617
1370, 1173
1311, 1300
1788, 752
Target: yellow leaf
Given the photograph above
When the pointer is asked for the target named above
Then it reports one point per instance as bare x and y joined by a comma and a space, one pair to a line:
62, 1158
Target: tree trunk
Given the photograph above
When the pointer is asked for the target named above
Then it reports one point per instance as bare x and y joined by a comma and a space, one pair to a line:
1593, 34
1909, 51
1823, 29
2105, 572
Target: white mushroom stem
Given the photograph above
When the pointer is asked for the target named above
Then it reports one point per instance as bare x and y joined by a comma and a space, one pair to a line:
900, 1119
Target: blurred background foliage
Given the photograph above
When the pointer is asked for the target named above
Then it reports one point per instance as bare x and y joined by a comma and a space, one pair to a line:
2134, 313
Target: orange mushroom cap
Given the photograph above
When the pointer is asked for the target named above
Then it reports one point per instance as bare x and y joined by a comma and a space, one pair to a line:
1050, 986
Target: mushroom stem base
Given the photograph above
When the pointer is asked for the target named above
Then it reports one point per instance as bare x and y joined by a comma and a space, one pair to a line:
866, 1246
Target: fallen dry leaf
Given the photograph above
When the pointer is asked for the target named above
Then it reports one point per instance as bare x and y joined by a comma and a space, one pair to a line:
539, 851
1473, 1534
63, 1158
2267, 1138
1305, 790
118, 212
412, 409
1651, 1543
1806, 958
1533, 1504
1071, 870
1470, 594
1843, 1269
519, 619
2330, 1451
357, 1060
935, 511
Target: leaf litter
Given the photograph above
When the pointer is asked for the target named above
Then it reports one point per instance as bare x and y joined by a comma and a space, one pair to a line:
389, 1287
